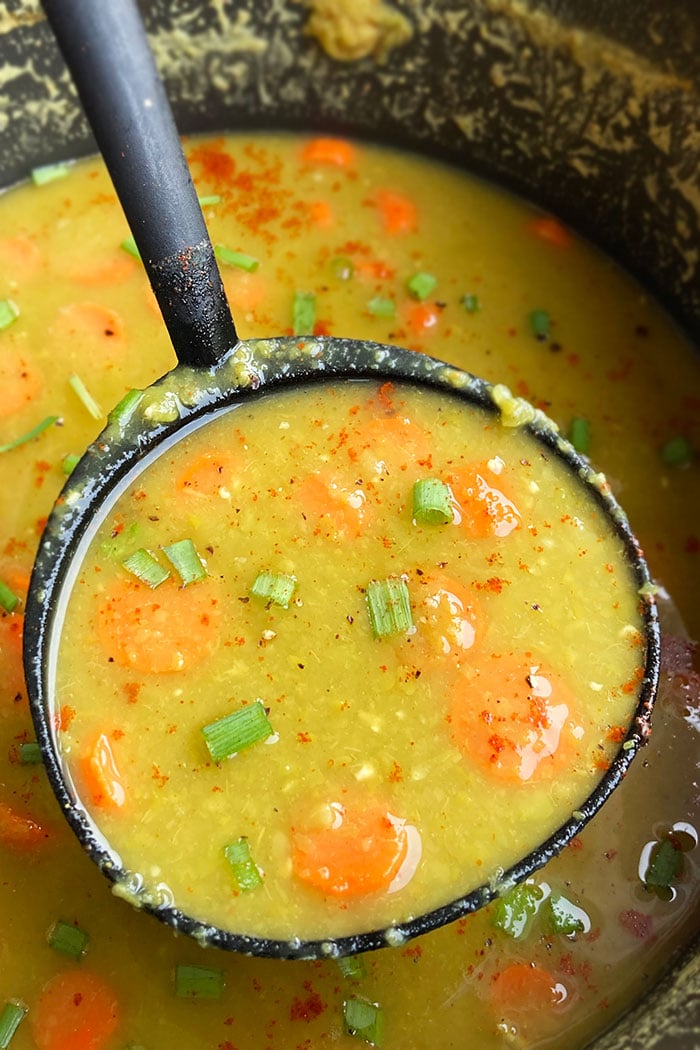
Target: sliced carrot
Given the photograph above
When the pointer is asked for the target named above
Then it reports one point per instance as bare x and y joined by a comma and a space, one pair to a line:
422, 317
513, 717
336, 152
20, 381
12, 670
321, 214
484, 506
446, 616
76, 1010
21, 832
398, 213
171, 629
20, 257
390, 443
356, 852
551, 230
525, 990
372, 270
101, 780
210, 474
90, 329
332, 508
101, 273
245, 291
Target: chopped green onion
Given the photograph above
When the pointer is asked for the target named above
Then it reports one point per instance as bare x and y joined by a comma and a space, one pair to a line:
206, 202
9, 312
49, 173
85, 396
676, 452
274, 587
432, 502
11, 1017
564, 916
380, 307
421, 285
304, 313
30, 753
70, 462
513, 912
665, 865
540, 323
230, 258
237, 731
580, 434
389, 606
68, 939
8, 599
246, 873
124, 409
129, 246
471, 303
30, 434
364, 1019
145, 567
198, 982
342, 268
185, 560
352, 967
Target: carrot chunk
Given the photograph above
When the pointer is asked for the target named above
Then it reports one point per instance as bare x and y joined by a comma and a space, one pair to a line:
12, 673
101, 273
76, 1010
21, 832
524, 989
336, 152
485, 508
100, 776
332, 507
422, 317
20, 257
398, 213
90, 328
210, 474
446, 616
551, 230
20, 381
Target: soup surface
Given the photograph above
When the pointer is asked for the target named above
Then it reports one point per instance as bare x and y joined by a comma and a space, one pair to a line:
348, 226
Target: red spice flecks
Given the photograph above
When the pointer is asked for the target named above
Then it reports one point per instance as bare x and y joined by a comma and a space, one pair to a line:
132, 690
497, 744
217, 166
304, 738
414, 951
637, 923
309, 1008
396, 773
64, 718
494, 584
617, 734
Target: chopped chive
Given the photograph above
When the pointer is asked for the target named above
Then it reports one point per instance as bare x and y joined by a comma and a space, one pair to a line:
30, 753
304, 313
88, 401
8, 599
676, 452
70, 462
274, 587
513, 912
198, 982
665, 865
564, 916
580, 434
246, 873
540, 323
124, 409
230, 258
206, 202
11, 1017
389, 607
49, 173
364, 1019
146, 568
9, 312
237, 731
420, 285
342, 268
185, 560
471, 303
432, 502
380, 307
30, 434
68, 939
352, 967
129, 246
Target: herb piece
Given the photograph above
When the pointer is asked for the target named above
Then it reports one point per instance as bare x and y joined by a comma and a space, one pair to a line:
11, 1017
677, 452
8, 599
432, 502
540, 323
342, 268
665, 865
68, 939
274, 587
237, 731
49, 173
70, 462
246, 873
420, 285
206, 202
352, 967
513, 912
389, 606
30, 753
129, 246
364, 1019
471, 303
185, 560
124, 409
380, 307
580, 434
88, 401
9, 312
564, 916
145, 567
304, 313
240, 259
30, 434
198, 982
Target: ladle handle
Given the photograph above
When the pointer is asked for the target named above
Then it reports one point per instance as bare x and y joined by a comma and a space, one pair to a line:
105, 47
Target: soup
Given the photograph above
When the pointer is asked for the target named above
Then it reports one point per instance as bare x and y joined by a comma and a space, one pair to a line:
559, 960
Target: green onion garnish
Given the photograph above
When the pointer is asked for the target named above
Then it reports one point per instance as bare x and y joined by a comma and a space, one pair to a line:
342, 268
513, 912
389, 607
9, 312
432, 502
230, 258
580, 434
206, 202
129, 246
11, 1017
88, 401
8, 599
676, 452
198, 982
540, 323
30, 753
421, 285
70, 462
304, 313
246, 873
352, 967
380, 307
274, 587
68, 939
471, 303
185, 560
49, 173
665, 865
145, 567
124, 409
564, 916
237, 731
30, 434
364, 1019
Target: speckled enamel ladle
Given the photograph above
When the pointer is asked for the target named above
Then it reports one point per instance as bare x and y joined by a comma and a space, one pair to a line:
105, 46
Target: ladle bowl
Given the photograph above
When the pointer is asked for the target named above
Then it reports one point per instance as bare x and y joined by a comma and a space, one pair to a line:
109, 58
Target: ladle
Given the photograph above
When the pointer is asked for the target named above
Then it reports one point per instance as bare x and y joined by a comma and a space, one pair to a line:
107, 52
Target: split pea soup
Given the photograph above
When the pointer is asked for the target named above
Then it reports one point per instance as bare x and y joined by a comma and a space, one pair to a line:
359, 648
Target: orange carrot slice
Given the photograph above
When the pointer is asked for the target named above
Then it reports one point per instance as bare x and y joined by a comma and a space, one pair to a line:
422, 318
246, 292
20, 381
20, 257
336, 152
210, 474
91, 329
446, 616
101, 273
358, 851
398, 213
76, 1010
513, 717
21, 832
333, 508
485, 508
389, 443
101, 779
171, 629
525, 990
551, 230
12, 673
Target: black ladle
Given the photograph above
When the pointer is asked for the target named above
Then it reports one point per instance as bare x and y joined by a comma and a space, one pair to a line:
105, 47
